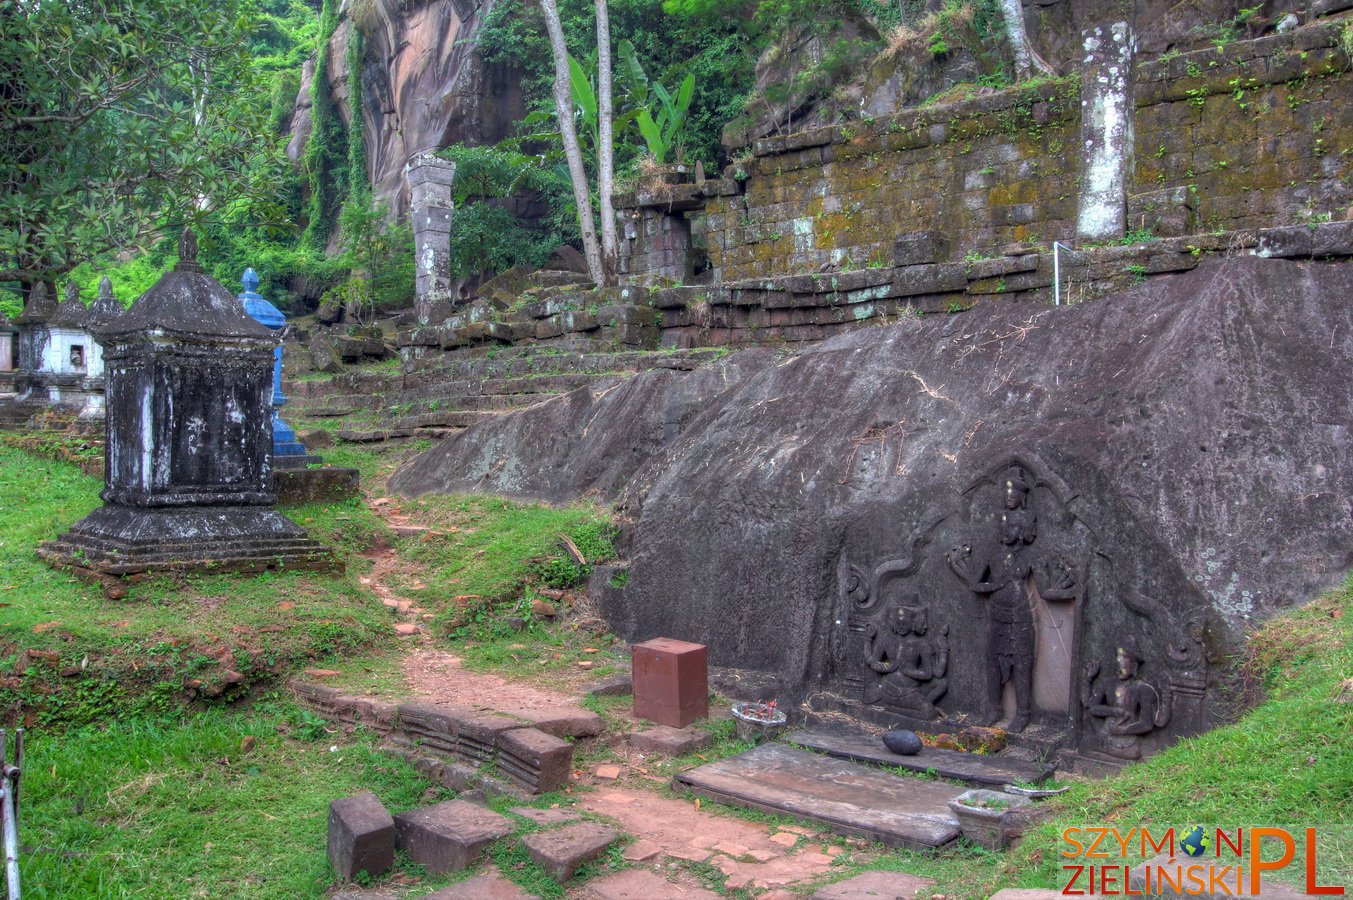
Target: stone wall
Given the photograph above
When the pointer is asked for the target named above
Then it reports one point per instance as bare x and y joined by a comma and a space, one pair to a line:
1258, 133
1252, 134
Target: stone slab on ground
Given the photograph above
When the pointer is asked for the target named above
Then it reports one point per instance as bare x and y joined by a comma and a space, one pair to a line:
546, 817
848, 797
875, 886
974, 768
562, 722
450, 836
361, 836
562, 850
671, 741
642, 884
489, 886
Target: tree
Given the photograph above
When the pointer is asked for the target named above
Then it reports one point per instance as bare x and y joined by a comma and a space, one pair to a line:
1025, 56
563, 105
119, 120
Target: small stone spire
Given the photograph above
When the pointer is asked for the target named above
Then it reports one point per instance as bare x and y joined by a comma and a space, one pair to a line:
188, 252
72, 292
106, 288
250, 281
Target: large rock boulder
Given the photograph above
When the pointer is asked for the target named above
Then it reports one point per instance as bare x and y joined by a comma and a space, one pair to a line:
424, 86
1065, 500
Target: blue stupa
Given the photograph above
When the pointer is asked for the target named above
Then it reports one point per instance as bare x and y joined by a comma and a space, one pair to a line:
288, 451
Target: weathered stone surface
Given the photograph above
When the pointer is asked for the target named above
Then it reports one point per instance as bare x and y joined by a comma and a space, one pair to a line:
847, 797
424, 86
361, 836
562, 458
671, 741
449, 836
489, 886
642, 884
1186, 454
875, 886
562, 850
974, 768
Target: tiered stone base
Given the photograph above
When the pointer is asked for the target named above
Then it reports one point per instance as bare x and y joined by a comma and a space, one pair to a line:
121, 540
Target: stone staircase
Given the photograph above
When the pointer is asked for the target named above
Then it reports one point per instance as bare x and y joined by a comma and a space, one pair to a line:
441, 394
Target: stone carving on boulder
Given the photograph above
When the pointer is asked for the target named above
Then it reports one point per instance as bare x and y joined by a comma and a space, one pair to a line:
1131, 708
1016, 579
909, 664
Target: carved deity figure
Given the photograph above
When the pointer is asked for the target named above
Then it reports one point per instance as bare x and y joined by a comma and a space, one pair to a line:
1133, 708
911, 666
1003, 572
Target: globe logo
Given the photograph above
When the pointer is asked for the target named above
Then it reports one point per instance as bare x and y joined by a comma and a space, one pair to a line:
1196, 842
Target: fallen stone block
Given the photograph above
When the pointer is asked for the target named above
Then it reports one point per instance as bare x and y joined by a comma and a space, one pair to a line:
671, 741
875, 886
538, 761
450, 836
561, 851
361, 836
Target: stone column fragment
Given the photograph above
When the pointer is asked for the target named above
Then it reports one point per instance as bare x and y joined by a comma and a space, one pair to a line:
1108, 109
430, 178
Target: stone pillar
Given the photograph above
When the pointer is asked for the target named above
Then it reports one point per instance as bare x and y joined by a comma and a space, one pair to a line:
187, 480
1108, 109
430, 178
287, 450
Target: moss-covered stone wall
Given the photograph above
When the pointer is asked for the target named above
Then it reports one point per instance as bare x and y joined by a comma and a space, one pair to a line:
1259, 133
1248, 135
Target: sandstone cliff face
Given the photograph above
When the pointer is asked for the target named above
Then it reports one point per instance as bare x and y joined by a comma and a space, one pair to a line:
424, 85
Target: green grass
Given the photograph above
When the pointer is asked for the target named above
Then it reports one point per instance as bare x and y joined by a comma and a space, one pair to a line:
180, 809
489, 547
143, 651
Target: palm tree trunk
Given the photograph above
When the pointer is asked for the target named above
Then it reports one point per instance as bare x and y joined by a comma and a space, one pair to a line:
610, 250
563, 107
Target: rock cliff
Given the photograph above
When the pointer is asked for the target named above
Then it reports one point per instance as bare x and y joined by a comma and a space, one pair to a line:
424, 85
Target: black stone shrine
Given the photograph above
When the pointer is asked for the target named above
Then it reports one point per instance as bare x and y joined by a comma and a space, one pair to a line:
189, 440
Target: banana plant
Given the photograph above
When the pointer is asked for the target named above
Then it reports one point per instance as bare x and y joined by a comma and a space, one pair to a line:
667, 131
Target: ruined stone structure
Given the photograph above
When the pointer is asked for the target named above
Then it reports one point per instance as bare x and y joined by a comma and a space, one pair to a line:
430, 178
187, 474
1240, 137
61, 361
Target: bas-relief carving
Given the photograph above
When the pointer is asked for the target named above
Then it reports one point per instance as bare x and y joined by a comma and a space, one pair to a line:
1013, 577
1043, 599
909, 666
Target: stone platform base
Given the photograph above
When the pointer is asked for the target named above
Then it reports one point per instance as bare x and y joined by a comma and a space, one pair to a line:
314, 485
847, 797
121, 540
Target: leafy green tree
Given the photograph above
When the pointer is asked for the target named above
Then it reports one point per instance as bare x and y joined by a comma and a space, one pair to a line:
120, 120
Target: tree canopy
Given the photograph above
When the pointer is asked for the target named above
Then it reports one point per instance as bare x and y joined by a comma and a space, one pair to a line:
120, 119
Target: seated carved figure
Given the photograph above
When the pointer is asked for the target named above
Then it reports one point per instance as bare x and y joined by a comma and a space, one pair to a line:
1134, 708
911, 666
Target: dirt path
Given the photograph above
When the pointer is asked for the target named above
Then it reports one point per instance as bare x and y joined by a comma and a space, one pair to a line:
669, 834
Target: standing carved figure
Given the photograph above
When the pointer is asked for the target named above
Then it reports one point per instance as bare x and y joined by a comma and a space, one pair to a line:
1003, 573
911, 666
